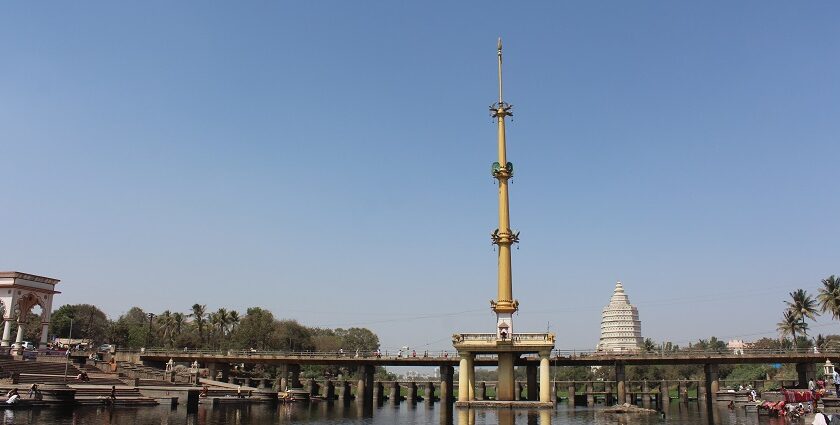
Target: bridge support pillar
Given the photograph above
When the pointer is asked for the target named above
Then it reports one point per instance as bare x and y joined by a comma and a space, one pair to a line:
312, 387
608, 395
394, 393
620, 383
481, 392
344, 391
645, 394
804, 372
412, 392
378, 393
664, 394
683, 390
590, 398
446, 383
571, 393
364, 391
329, 390
712, 383
429, 392
531, 378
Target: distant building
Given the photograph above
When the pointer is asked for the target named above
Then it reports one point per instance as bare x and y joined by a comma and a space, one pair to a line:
737, 346
621, 329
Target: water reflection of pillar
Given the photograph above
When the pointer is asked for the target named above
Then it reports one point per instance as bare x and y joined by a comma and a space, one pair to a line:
545, 416
506, 416
446, 414
467, 416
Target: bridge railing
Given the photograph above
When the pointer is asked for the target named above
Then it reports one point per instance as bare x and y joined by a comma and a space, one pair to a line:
452, 354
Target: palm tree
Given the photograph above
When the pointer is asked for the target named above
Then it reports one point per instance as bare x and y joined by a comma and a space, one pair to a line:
223, 318
198, 313
167, 326
802, 305
178, 320
790, 325
213, 320
234, 320
829, 296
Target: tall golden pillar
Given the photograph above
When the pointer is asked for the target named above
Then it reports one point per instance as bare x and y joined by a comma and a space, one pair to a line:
504, 237
503, 342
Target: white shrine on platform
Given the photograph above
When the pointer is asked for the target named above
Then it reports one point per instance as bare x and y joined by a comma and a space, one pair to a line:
19, 293
621, 329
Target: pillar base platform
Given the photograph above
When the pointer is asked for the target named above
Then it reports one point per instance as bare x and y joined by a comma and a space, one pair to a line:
497, 404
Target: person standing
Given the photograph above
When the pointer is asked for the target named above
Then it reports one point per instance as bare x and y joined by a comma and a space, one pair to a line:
836, 377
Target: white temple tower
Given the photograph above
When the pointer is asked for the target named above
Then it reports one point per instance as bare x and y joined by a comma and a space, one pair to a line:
621, 329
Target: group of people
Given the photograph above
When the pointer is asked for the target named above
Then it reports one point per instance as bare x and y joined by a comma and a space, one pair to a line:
13, 396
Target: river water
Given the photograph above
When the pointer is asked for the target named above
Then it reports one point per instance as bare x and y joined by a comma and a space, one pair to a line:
336, 413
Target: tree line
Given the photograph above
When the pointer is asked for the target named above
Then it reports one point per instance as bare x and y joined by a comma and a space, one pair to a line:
200, 328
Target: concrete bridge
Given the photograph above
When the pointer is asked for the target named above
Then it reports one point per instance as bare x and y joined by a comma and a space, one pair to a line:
218, 364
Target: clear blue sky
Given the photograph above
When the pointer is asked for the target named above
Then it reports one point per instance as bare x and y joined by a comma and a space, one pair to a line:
330, 160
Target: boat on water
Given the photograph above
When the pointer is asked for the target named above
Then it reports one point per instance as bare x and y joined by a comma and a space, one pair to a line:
295, 395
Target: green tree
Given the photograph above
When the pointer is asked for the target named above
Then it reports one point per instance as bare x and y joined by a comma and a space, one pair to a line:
649, 346
361, 339
89, 322
829, 296
293, 336
256, 330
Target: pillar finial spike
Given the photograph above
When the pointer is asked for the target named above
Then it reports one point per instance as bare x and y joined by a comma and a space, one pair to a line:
499, 50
